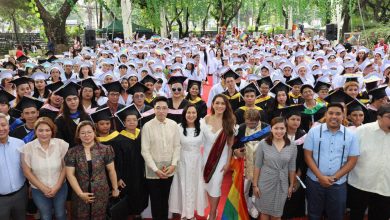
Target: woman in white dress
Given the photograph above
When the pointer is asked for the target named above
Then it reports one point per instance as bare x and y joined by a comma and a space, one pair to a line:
188, 191
218, 130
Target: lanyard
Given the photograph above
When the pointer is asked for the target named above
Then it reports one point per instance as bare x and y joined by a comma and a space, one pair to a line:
319, 149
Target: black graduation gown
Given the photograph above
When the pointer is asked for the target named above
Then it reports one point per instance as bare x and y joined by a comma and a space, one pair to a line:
239, 113
201, 107
116, 124
295, 206
149, 102
20, 132
273, 112
145, 119
14, 113
130, 167
67, 133
241, 134
295, 100
371, 116
44, 112
11, 120
265, 102
234, 100
176, 117
308, 119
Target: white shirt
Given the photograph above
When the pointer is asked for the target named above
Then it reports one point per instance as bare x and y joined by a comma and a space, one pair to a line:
372, 170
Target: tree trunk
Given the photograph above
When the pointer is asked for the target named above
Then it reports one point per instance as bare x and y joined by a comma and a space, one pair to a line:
126, 19
346, 18
101, 17
204, 21
285, 15
15, 26
261, 8
163, 27
187, 16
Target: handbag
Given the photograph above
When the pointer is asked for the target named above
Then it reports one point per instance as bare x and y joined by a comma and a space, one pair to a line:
118, 208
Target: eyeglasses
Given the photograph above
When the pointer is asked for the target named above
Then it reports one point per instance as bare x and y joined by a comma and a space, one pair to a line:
176, 89
140, 96
86, 133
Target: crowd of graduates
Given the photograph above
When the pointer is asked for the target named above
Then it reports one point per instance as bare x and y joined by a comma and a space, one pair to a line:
80, 119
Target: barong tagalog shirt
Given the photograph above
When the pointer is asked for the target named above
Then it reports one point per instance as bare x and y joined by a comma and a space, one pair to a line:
160, 145
372, 170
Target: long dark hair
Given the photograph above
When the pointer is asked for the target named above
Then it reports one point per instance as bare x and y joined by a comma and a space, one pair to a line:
93, 100
188, 96
184, 120
270, 137
81, 73
66, 114
228, 118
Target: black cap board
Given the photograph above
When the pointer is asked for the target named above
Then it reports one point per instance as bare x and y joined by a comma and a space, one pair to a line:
88, 83
71, 88
137, 87
176, 79
113, 86
356, 105
378, 93
27, 102
5, 97
295, 81
251, 87
280, 86
21, 80
265, 80
102, 114
291, 110
129, 110
339, 96
192, 82
54, 86
148, 78
21, 58
304, 86
321, 86
230, 73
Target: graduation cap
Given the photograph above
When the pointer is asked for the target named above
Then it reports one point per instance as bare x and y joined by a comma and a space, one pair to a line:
356, 105
321, 86
21, 58
288, 111
339, 96
54, 86
192, 82
102, 114
52, 58
137, 87
27, 102
296, 81
351, 78
148, 78
49, 53
71, 88
378, 93
304, 86
5, 97
21, 80
251, 87
41, 61
39, 76
230, 73
129, 110
88, 83
280, 86
176, 79
265, 80
113, 87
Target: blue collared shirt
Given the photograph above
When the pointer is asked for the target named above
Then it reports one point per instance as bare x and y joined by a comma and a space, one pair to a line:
331, 149
11, 174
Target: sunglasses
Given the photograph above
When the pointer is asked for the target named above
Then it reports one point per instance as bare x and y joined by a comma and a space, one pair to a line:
176, 89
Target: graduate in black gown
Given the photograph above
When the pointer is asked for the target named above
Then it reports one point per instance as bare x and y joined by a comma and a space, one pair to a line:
295, 96
51, 108
102, 120
23, 88
193, 96
28, 106
378, 98
313, 110
130, 164
176, 103
138, 91
72, 113
295, 206
5, 99
249, 94
149, 82
87, 95
114, 90
265, 101
356, 113
231, 92
281, 91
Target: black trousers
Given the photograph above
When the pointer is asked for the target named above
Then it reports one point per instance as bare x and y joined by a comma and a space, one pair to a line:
159, 194
359, 200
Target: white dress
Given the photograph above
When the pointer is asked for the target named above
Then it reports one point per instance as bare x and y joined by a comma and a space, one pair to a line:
188, 188
213, 187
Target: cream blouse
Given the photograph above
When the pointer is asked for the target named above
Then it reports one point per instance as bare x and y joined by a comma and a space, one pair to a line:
46, 165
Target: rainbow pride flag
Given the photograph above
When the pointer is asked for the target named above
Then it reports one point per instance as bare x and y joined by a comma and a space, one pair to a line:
243, 36
235, 206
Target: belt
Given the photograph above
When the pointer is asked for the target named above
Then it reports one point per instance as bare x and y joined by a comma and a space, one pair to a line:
13, 193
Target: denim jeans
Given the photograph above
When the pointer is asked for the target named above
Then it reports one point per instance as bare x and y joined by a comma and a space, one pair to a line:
331, 200
46, 205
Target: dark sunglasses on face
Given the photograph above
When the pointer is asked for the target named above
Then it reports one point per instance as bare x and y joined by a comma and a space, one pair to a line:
176, 89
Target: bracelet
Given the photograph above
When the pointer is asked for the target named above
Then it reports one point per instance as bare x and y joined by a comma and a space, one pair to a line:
254, 186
